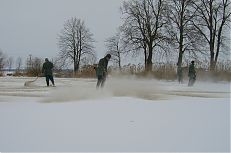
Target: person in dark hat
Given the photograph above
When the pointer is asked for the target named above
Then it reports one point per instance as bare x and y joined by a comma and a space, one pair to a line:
101, 70
47, 70
192, 74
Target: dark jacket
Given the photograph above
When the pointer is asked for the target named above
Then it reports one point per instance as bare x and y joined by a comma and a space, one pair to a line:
192, 71
47, 68
102, 67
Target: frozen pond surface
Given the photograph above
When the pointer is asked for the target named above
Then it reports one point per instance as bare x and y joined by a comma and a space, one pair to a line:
127, 115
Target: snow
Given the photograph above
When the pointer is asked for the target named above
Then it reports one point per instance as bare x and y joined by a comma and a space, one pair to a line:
128, 115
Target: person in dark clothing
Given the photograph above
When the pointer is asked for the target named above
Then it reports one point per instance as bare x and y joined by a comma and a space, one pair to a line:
47, 71
192, 74
101, 70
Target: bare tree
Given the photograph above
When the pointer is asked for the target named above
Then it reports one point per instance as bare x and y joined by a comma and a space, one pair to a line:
212, 19
10, 62
116, 48
142, 26
90, 60
2, 60
19, 63
180, 30
34, 66
75, 42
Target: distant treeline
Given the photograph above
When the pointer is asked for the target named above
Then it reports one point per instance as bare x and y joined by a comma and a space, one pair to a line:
161, 71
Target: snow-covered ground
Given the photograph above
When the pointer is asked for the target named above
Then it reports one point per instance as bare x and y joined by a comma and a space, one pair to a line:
129, 114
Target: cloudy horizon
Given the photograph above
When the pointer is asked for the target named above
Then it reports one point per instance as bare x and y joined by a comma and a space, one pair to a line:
31, 27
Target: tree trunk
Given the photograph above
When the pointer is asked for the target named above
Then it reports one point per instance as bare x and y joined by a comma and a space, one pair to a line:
75, 66
149, 60
212, 62
181, 43
181, 52
180, 58
75, 60
212, 54
145, 57
119, 62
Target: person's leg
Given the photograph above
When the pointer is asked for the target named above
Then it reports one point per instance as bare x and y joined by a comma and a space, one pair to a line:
103, 81
52, 80
181, 79
47, 80
193, 81
190, 81
99, 82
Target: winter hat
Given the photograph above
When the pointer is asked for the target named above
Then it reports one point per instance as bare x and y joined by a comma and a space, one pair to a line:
108, 55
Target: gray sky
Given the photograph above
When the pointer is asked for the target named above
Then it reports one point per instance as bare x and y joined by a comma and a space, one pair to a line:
31, 26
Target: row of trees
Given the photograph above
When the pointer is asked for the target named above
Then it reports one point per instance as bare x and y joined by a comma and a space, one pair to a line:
150, 28
8, 62
195, 27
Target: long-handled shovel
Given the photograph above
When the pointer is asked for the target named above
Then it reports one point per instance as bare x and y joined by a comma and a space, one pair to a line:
28, 83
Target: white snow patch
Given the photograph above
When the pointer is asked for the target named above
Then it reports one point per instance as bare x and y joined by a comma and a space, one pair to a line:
128, 115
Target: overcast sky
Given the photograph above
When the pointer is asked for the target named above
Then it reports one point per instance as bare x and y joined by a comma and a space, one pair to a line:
31, 26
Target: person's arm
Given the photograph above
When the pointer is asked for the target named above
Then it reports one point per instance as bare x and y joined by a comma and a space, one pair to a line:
52, 65
105, 63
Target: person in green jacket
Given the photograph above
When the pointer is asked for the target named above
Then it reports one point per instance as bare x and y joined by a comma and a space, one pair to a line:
101, 70
47, 71
192, 74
